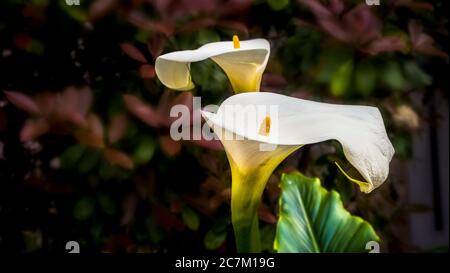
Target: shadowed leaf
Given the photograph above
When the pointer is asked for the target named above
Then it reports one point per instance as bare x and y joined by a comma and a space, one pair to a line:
169, 146
190, 218
214, 240
133, 52
266, 215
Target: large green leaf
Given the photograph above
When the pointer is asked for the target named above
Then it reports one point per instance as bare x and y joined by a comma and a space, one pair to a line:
313, 220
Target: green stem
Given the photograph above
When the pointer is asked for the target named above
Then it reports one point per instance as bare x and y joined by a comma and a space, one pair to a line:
249, 179
245, 199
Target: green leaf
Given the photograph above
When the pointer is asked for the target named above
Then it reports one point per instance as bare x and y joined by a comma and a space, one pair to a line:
107, 203
278, 4
209, 76
331, 61
267, 234
213, 240
416, 75
90, 159
190, 218
205, 36
76, 12
341, 80
393, 76
314, 220
144, 152
84, 208
403, 146
72, 155
365, 78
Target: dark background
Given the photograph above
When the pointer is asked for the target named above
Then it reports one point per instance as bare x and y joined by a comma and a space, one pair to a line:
83, 158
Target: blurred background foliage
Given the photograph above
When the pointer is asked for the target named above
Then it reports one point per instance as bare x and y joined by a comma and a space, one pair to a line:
85, 152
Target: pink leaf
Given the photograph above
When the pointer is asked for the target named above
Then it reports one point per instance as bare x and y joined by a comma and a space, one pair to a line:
363, 24
141, 110
140, 20
73, 104
147, 71
93, 135
46, 102
116, 157
22, 102
133, 52
101, 8
335, 29
233, 7
337, 7
117, 128
84, 100
422, 42
32, 129
385, 44
414, 5
169, 146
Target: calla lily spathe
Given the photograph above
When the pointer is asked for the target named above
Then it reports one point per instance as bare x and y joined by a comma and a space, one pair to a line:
359, 129
243, 62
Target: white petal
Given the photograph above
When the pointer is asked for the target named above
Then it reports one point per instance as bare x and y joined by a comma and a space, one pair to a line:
359, 129
244, 66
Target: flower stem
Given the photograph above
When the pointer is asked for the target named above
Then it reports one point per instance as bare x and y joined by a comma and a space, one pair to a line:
249, 179
245, 198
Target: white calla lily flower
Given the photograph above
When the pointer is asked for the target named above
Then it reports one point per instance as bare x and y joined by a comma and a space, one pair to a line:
244, 130
359, 129
243, 62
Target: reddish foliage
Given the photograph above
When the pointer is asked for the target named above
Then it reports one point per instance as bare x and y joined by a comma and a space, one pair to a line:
133, 52
422, 42
143, 111
118, 158
357, 26
117, 128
